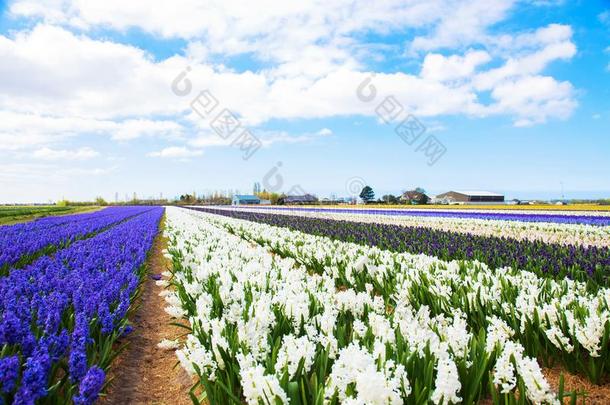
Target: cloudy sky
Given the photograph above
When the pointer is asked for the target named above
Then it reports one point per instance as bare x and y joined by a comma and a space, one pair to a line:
107, 97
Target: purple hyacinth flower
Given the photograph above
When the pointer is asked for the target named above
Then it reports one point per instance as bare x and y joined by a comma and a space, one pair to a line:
90, 387
34, 382
9, 372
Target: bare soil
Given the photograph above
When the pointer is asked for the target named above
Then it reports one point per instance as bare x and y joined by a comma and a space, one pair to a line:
593, 394
143, 373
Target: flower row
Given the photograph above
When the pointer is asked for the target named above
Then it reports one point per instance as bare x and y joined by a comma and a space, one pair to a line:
566, 217
62, 314
564, 234
563, 314
21, 243
278, 315
554, 260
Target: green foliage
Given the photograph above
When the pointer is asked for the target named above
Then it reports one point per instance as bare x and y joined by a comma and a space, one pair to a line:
266, 195
100, 201
12, 214
367, 194
188, 199
390, 199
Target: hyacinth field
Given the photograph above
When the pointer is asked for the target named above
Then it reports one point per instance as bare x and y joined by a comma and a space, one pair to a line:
298, 309
311, 306
66, 288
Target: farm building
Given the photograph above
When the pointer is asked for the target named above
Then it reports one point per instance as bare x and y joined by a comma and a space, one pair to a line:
470, 197
414, 197
245, 200
298, 199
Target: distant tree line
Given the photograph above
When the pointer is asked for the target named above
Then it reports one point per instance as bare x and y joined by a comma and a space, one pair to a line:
367, 195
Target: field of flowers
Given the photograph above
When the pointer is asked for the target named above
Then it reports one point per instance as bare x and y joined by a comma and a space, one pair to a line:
282, 306
584, 263
65, 292
561, 217
548, 232
20, 244
280, 314
570, 208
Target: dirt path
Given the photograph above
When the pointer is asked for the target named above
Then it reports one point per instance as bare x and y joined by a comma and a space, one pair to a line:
145, 374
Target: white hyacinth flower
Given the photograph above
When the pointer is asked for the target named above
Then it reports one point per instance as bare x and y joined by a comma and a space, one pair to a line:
167, 344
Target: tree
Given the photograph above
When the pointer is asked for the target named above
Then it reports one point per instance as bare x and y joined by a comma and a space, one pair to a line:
390, 199
420, 190
367, 194
100, 201
188, 199
266, 195
422, 199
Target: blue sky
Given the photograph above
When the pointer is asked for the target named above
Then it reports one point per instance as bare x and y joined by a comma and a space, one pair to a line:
516, 92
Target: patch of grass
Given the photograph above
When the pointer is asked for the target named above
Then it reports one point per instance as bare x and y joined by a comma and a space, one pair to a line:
14, 214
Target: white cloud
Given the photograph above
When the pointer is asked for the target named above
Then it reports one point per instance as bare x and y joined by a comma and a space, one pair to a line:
441, 68
47, 181
176, 152
465, 24
276, 30
208, 140
267, 138
534, 99
75, 84
60, 78
132, 129
46, 173
84, 153
552, 33
30, 130
324, 132
546, 45
54, 72
549, 3
304, 39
